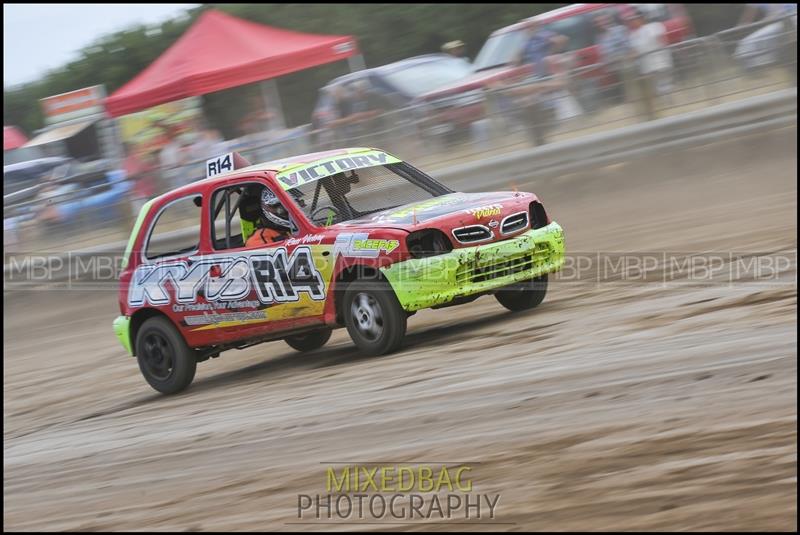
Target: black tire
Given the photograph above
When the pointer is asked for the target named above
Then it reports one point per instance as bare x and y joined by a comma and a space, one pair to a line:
309, 341
374, 318
524, 295
166, 362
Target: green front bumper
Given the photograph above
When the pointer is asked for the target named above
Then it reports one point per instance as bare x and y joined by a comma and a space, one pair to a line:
428, 282
122, 327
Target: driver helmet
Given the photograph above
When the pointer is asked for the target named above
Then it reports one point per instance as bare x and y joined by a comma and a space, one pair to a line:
274, 212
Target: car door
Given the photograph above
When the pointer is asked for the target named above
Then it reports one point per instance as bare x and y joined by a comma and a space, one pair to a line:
263, 289
166, 271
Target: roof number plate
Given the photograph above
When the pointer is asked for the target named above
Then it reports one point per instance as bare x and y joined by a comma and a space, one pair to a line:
219, 165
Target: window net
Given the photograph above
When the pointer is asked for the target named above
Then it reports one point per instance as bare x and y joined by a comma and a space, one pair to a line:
363, 192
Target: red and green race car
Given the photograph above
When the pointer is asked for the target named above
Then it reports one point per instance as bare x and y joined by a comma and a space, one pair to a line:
372, 240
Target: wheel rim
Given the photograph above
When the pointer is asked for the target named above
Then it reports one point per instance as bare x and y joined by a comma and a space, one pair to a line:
157, 353
367, 316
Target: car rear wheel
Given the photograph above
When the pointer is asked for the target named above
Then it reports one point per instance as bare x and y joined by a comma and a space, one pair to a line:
309, 341
523, 295
166, 362
374, 318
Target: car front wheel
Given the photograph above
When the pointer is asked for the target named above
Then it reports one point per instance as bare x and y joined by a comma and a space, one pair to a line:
374, 318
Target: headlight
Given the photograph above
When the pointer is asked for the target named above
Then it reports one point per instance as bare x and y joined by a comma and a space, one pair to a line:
428, 242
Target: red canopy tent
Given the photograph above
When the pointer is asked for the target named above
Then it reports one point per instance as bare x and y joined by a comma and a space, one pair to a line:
220, 52
13, 138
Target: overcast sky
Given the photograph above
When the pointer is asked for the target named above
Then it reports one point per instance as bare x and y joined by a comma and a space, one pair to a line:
40, 37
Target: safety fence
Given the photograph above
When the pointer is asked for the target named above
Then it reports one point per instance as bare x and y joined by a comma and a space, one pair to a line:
506, 116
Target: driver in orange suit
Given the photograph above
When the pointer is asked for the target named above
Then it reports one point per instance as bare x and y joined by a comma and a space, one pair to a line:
276, 226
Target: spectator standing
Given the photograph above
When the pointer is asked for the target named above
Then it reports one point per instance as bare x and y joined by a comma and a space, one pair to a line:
780, 39
369, 107
343, 107
257, 128
613, 43
648, 42
565, 106
140, 168
538, 99
172, 157
10, 232
133, 160
454, 48
208, 145
358, 112
538, 45
756, 12
323, 134
261, 115
49, 197
457, 49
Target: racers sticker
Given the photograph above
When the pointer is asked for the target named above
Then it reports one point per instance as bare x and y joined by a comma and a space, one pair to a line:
216, 318
331, 166
308, 238
281, 279
485, 211
359, 245
275, 276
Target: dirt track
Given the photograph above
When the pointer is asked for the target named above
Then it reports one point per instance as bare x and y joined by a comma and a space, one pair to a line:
619, 405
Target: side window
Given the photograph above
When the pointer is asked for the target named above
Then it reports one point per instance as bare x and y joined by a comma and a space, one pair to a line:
324, 106
577, 29
616, 14
226, 230
654, 12
176, 229
236, 215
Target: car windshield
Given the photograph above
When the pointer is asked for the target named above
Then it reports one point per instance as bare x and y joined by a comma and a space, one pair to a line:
504, 48
355, 194
500, 49
422, 78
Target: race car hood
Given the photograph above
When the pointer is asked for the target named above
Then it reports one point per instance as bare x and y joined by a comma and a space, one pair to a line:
447, 211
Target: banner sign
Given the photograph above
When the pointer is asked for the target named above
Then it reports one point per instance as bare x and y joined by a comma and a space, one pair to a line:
74, 105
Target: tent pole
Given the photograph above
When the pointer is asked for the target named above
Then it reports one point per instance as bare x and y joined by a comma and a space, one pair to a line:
272, 101
356, 63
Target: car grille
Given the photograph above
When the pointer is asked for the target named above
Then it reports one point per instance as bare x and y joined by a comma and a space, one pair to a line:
472, 234
504, 267
514, 223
